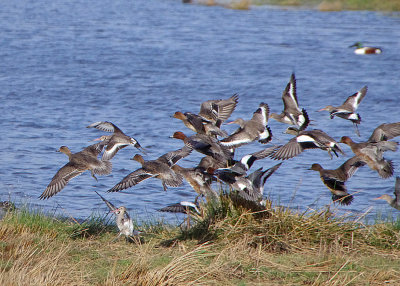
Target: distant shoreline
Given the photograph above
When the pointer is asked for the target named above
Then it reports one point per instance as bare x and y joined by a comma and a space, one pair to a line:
321, 5
337, 5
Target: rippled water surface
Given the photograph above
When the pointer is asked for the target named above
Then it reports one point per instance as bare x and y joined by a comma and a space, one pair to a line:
67, 64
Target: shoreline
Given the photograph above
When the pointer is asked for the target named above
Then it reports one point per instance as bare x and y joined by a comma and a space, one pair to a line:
319, 5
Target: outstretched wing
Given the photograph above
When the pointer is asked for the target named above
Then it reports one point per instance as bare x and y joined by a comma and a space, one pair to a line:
289, 95
354, 100
385, 132
171, 158
351, 166
104, 126
131, 180
261, 115
60, 180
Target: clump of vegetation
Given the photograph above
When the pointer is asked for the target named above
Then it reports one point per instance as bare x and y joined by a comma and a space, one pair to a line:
229, 243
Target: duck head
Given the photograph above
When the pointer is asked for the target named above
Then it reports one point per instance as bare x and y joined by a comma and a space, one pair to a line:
138, 158
178, 135
179, 115
315, 167
358, 45
346, 140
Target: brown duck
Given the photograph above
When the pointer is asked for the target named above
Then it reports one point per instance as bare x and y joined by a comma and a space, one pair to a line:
335, 179
85, 160
372, 154
159, 168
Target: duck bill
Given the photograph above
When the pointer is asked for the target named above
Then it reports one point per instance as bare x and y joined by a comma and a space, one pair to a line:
97, 139
140, 148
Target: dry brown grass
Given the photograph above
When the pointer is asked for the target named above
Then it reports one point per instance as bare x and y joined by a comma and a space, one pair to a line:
31, 260
283, 248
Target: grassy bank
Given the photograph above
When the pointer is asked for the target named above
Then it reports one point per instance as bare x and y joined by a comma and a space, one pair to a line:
228, 245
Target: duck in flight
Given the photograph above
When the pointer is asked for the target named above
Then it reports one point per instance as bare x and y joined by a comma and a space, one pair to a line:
291, 113
250, 130
159, 168
348, 109
335, 179
116, 141
85, 160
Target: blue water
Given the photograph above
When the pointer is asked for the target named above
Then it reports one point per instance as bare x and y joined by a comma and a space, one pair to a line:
66, 64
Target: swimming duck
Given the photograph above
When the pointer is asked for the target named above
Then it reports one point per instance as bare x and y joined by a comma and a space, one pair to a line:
250, 130
385, 132
218, 111
348, 109
335, 179
122, 219
372, 154
159, 168
206, 145
116, 141
311, 139
78, 163
291, 113
393, 202
361, 50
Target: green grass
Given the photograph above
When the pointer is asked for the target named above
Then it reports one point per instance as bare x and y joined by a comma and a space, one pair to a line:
228, 245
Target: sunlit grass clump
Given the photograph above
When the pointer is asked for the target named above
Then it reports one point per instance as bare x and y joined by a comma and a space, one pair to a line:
231, 242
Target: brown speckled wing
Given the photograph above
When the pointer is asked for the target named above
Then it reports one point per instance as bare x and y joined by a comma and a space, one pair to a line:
131, 180
60, 180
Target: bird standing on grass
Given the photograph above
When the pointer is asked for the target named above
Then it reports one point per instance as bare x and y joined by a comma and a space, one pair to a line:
122, 219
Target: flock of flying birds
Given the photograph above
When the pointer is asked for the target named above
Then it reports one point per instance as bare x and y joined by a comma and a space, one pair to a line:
219, 164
